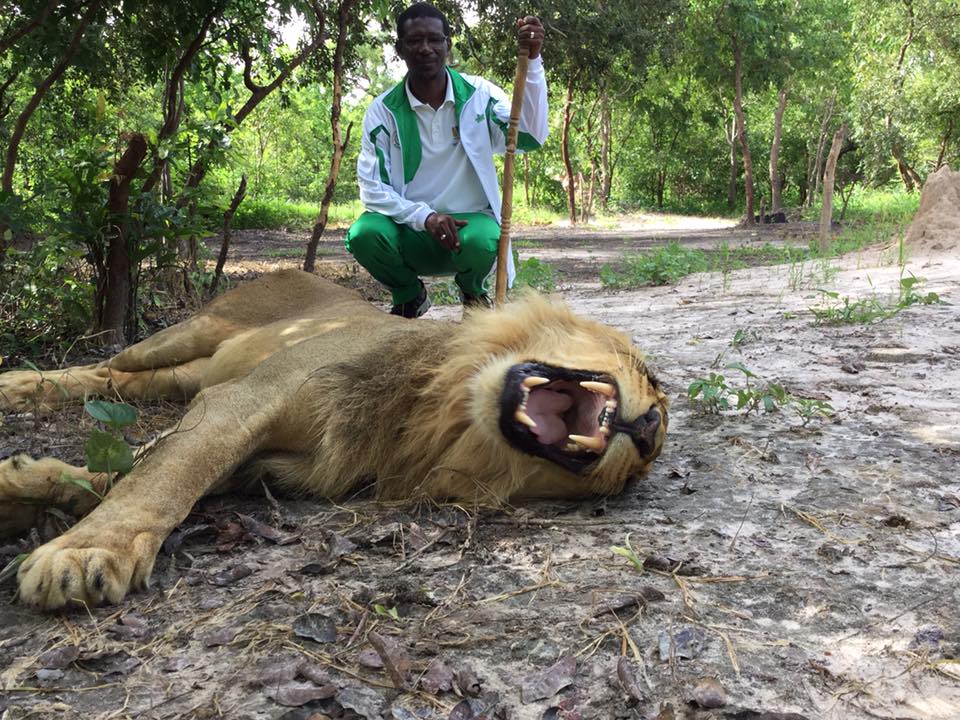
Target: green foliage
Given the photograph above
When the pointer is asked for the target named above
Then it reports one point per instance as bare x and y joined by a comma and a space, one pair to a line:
842, 310
715, 394
445, 292
45, 300
107, 451
657, 267
536, 274
273, 214
626, 550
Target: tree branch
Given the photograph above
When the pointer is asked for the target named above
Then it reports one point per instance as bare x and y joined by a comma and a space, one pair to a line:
28, 27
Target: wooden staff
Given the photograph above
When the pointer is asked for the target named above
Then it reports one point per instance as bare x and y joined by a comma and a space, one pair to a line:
506, 207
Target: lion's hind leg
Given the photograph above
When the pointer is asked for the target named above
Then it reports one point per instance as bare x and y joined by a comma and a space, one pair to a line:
24, 390
29, 487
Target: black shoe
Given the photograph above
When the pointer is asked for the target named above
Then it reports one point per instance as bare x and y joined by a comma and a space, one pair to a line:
413, 308
477, 302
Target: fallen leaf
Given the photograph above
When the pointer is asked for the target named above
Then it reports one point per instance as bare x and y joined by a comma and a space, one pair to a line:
45, 675
110, 663
279, 672
316, 627
231, 575
467, 681
295, 694
742, 714
461, 711
129, 626
549, 682
685, 643
362, 700
709, 693
370, 658
262, 530
178, 537
627, 676
395, 659
223, 636
437, 679
58, 658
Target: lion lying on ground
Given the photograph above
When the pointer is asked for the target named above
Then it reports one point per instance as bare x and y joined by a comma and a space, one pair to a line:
300, 381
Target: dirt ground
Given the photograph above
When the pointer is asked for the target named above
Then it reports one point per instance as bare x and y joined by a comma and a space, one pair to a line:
782, 569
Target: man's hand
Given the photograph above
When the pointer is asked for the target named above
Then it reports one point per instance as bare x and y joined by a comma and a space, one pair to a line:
444, 230
530, 34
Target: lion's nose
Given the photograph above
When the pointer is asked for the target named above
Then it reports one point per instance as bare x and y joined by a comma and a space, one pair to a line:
642, 430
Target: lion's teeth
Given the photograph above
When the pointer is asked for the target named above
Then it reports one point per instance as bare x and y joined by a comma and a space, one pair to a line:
599, 387
590, 443
533, 381
604, 430
611, 404
521, 416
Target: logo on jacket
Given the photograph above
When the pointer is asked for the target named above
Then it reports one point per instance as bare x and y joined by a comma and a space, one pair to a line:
479, 118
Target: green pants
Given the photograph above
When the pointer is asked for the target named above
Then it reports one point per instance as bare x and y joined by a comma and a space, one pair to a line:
397, 255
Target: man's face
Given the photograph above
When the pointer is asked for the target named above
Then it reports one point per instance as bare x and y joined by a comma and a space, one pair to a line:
424, 47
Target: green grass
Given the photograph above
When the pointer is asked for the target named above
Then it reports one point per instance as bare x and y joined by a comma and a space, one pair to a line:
842, 310
663, 266
282, 214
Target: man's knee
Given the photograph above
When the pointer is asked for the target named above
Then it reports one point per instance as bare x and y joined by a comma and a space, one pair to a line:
372, 233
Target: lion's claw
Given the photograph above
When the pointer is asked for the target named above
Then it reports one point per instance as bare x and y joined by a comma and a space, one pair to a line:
57, 574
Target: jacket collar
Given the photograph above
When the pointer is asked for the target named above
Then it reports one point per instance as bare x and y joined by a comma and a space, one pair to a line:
397, 102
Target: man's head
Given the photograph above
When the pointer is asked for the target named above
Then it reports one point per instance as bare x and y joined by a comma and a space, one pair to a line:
423, 39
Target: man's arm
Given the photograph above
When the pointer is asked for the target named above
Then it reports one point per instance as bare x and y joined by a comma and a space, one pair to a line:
373, 176
534, 121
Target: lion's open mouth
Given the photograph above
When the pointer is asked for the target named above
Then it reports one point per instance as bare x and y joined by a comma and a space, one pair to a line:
559, 414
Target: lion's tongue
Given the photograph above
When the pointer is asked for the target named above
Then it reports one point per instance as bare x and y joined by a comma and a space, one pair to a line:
545, 408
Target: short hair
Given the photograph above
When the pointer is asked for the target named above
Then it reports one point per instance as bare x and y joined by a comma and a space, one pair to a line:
421, 10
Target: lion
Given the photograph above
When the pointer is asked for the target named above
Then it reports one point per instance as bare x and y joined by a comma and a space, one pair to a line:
299, 381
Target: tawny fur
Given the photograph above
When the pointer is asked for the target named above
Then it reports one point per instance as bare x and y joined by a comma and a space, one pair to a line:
300, 380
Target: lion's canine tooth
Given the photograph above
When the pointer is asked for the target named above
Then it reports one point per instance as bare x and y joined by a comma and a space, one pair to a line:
604, 430
533, 381
599, 387
590, 443
521, 416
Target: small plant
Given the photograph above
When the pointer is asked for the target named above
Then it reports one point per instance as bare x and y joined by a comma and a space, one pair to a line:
445, 292
845, 311
743, 337
536, 274
626, 550
659, 267
808, 409
716, 395
106, 450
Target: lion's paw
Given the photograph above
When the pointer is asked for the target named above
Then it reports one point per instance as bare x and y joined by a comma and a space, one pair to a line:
20, 389
68, 570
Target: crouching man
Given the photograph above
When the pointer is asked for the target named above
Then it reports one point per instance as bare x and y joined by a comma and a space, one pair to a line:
426, 173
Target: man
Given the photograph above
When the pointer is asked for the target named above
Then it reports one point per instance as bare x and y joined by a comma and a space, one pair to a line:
426, 173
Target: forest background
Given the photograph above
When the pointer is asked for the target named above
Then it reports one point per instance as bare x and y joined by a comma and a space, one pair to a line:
130, 130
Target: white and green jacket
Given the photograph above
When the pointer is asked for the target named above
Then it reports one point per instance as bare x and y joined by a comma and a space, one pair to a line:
390, 148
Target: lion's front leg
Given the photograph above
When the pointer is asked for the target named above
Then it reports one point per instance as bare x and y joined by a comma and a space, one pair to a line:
113, 549
28, 487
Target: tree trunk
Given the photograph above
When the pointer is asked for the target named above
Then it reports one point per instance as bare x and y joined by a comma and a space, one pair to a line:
225, 241
816, 172
198, 170
661, 184
775, 182
526, 179
606, 136
829, 173
114, 290
730, 131
10, 39
911, 180
742, 128
173, 100
13, 145
343, 20
20, 125
943, 145
565, 153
